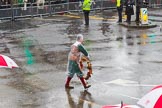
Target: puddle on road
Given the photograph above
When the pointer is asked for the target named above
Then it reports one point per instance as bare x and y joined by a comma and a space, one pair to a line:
16, 25
35, 53
28, 83
9, 40
25, 24
150, 39
56, 57
74, 27
105, 28
159, 62
31, 87
141, 39
85, 99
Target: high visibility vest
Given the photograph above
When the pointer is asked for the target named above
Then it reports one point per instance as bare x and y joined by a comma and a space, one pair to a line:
118, 3
87, 5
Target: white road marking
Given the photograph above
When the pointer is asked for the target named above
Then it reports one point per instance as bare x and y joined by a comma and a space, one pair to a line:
129, 96
123, 82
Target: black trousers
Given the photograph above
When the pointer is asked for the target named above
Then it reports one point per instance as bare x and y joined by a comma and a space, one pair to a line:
137, 13
86, 16
119, 9
129, 18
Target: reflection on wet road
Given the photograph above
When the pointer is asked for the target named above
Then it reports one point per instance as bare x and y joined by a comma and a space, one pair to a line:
28, 54
84, 100
126, 62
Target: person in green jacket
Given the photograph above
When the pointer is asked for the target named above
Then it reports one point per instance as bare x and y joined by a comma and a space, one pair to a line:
86, 7
73, 62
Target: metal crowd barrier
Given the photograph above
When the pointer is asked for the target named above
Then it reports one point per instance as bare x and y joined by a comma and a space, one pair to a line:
17, 10
155, 3
50, 8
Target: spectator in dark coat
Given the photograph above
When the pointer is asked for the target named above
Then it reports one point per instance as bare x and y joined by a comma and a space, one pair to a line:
129, 10
138, 7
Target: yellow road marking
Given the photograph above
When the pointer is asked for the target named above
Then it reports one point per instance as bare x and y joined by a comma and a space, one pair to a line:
72, 16
91, 17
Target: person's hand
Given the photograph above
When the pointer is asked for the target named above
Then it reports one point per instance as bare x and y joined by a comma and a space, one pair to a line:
88, 57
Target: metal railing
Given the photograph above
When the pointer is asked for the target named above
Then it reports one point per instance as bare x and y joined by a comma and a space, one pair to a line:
49, 8
15, 11
155, 3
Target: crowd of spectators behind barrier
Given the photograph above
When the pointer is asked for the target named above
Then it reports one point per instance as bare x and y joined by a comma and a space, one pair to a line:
7, 3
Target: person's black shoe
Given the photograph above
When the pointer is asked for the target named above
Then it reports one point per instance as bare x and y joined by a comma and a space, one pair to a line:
86, 24
119, 22
128, 23
137, 23
87, 86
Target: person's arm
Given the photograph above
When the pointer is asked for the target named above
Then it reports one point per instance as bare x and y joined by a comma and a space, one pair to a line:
84, 3
83, 50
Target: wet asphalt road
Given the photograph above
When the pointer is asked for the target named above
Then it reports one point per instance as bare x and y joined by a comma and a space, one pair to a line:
126, 62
